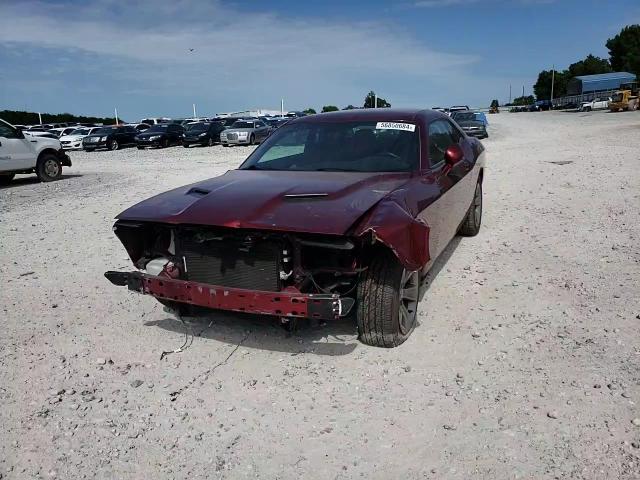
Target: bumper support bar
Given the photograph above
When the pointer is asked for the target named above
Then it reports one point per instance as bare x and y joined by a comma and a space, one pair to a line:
287, 303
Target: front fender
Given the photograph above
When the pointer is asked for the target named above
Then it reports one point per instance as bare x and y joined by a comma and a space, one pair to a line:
405, 235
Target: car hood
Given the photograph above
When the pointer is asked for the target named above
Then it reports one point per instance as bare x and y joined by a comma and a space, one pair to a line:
314, 202
238, 130
470, 123
72, 138
150, 134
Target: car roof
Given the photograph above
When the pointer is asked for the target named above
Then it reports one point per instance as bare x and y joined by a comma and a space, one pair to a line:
371, 115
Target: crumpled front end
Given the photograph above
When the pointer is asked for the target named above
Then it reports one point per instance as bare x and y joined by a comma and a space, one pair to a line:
261, 272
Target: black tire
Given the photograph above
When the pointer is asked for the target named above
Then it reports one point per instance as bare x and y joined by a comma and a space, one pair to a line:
473, 219
252, 139
48, 168
225, 144
89, 149
185, 145
165, 143
113, 145
6, 179
140, 148
210, 142
378, 314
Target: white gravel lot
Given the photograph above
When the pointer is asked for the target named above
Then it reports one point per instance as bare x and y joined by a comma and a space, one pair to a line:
526, 362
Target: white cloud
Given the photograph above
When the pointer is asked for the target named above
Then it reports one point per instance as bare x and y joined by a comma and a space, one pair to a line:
235, 52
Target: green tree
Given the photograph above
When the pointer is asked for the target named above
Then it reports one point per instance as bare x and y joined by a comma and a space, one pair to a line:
350, 107
528, 100
309, 111
591, 65
370, 100
542, 87
329, 108
624, 50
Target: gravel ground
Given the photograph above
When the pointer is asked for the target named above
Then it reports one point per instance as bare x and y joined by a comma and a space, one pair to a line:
525, 363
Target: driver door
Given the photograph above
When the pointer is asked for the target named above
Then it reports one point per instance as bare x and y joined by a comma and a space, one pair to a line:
16, 152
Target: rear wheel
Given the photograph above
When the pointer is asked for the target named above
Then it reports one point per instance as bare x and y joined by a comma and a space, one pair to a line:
165, 143
48, 168
210, 142
185, 145
113, 145
252, 139
471, 224
89, 149
6, 179
387, 302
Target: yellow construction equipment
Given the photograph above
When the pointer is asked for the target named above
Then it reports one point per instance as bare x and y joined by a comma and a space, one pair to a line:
626, 98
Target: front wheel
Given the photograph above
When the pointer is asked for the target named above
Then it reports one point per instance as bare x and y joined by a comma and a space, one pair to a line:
210, 142
89, 149
165, 143
6, 179
48, 168
252, 139
114, 145
387, 302
473, 219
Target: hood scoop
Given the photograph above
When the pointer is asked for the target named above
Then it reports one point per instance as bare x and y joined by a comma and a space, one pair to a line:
304, 196
198, 191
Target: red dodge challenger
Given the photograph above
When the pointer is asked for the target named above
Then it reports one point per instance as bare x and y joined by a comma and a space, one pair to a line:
333, 213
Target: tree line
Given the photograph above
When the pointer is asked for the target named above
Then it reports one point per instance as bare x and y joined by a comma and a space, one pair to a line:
624, 56
16, 117
369, 102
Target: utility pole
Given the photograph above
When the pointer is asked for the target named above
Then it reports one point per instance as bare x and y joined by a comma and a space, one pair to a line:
375, 105
194, 111
509, 93
553, 79
281, 107
522, 91
40, 118
116, 111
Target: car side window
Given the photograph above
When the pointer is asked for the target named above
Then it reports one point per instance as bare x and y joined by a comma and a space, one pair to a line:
442, 134
7, 132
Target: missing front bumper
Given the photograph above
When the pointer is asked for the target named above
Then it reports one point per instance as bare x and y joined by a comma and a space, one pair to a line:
288, 303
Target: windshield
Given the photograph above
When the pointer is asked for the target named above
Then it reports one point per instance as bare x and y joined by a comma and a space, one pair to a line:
156, 128
197, 127
106, 130
464, 117
617, 97
346, 147
242, 124
80, 131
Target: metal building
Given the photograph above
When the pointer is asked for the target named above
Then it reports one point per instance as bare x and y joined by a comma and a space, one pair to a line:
598, 83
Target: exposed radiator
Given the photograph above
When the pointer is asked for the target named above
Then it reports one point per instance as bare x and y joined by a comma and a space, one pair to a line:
231, 262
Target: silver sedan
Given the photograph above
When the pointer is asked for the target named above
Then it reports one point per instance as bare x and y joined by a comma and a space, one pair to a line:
245, 132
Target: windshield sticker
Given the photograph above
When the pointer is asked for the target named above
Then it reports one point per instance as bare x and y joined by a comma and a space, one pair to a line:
407, 127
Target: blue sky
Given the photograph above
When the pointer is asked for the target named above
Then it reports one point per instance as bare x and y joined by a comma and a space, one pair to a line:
89, 57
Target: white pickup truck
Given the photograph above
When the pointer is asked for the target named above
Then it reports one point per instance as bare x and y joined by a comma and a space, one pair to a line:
23, 153
595, 104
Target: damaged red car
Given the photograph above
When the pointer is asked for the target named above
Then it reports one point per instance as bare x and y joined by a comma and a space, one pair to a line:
333, 214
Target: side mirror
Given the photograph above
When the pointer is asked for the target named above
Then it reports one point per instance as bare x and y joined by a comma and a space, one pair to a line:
19, 134
453, 155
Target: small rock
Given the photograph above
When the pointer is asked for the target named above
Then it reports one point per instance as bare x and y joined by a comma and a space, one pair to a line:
407, 368
635, 444
136, 383
552, 414
56, 391
625, 395
636, 422
446, 426
475, 335
101, 361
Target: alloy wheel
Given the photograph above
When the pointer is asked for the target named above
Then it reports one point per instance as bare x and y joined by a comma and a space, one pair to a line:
409, 291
